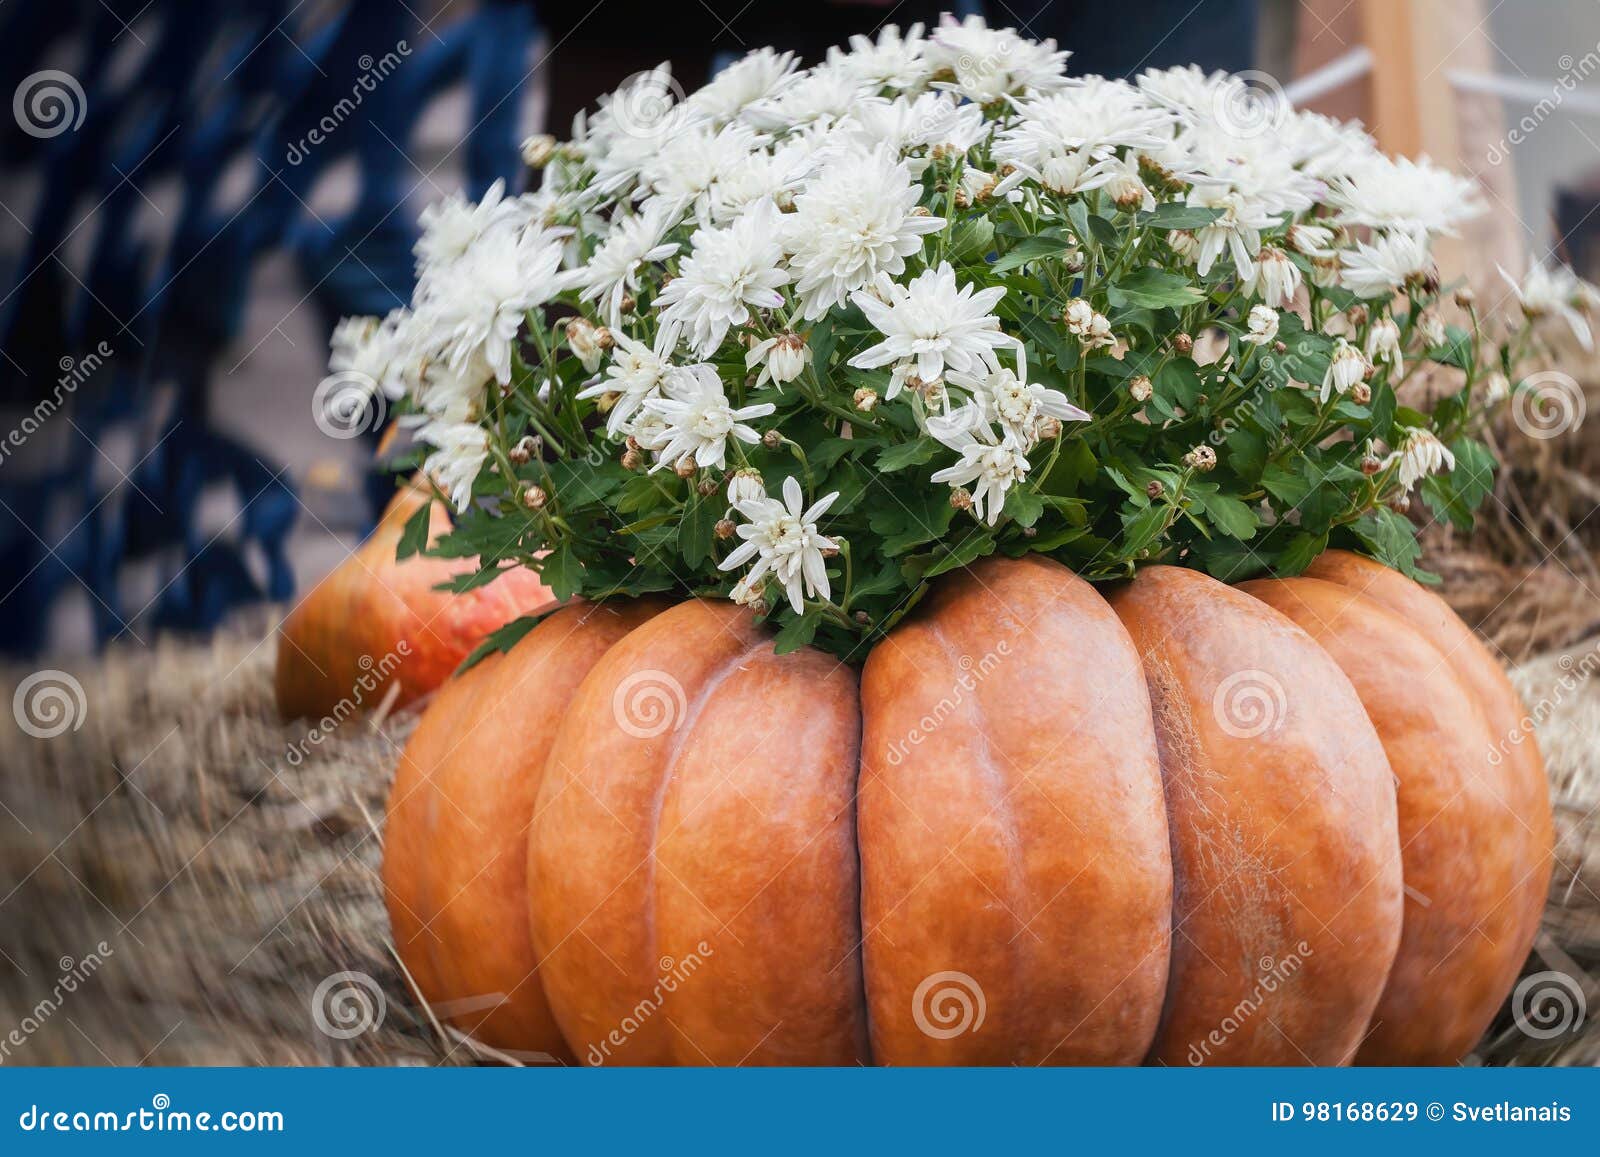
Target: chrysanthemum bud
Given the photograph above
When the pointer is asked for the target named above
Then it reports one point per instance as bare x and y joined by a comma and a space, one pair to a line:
1358, 314
1183, 344
1049, 429
537, 150
745, 486
586, 342
1202, 458
1361, 393
1154, 488
632, 459
706, 487
961, 498
685, 467
628, 303
523, 451
1140, 389
725, 528
1371, 465
535, 498
865, 399
863, 618
1465, 297
1400, 503
772, 440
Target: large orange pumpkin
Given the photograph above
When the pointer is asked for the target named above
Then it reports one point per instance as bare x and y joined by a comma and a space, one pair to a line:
373, 621
1186, 824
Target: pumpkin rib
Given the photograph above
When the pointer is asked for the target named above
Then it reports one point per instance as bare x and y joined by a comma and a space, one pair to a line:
961, 966
1462, 942
455, 840
1286, 867
708, 847
1462, 649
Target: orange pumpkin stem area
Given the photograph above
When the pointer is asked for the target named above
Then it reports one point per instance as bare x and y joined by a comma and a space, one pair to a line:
1291, 822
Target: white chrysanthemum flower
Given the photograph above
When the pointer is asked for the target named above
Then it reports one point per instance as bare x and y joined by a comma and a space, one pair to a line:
631, 127
1007, 399
1310, 240
1347, 366
698, 420
1419, 455
783, 540
1383, 345
934, 120
990, 466
782, 359
930, 323
635, 240
1262, 325
1237, 231
745, 486
728, 271
759, 75
460, 449
454, 225
1275, 279
1552, 291
1397, 193
892, 61
1187, 88
1384, 266
774, 175
374, 353
1083, 123
469, 313
634, 376
853, 221
990, 64
823, 96
688, 167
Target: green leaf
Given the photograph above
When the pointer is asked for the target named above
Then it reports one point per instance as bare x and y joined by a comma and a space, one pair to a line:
1175, 215
1026, 252
797, 632
504, 638
1232, 516
1301, 552
976, 545
1024, 506
561, 571
1152, 288
697, 531
414, 538
907, 454
1390, 538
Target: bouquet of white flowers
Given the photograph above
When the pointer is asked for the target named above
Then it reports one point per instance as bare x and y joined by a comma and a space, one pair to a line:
809, 338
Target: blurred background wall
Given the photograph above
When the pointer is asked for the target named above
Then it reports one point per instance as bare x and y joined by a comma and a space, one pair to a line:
192, 193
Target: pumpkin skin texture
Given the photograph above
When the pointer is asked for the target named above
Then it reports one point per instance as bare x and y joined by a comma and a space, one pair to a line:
1285, 845
455, 862
335, 641
1466, 924
694, 886
1013, 842
1520, 762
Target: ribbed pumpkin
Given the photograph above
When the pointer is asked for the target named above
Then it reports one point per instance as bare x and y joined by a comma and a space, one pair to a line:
1184, 824
373, 620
